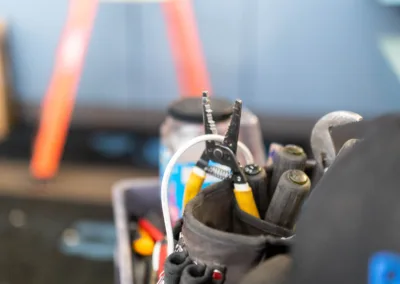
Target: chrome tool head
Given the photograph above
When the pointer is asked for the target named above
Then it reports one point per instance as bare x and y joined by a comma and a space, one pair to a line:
209, 124
348, 145
232, 134
322, 145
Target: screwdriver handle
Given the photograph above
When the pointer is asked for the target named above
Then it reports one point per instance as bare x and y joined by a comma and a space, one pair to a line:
292, 189
290, 157
245, 199
194, 184
143, 244
256, 177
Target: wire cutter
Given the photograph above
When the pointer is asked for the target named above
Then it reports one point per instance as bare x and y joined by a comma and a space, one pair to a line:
225, 154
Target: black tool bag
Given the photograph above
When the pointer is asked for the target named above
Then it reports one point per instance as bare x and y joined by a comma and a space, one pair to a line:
217, 234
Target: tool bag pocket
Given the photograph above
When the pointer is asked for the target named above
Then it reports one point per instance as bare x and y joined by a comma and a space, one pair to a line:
215, 232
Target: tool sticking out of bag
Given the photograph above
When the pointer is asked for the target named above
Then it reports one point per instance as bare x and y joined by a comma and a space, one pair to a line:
225, 154
292, 190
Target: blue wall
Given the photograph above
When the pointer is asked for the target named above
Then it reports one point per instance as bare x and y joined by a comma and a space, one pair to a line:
304, 57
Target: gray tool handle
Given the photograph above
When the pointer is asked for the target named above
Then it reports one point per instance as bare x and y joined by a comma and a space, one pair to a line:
290, 157
292, 189
257, 179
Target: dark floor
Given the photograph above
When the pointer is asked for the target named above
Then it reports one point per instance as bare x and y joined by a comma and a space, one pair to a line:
30, 254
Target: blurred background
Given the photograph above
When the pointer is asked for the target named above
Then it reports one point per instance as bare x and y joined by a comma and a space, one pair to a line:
289, 61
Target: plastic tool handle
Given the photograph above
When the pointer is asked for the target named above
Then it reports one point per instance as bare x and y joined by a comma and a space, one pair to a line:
245, 199
292, 189
59, 101
153, 231
256, 177
193, 185
143, 244
290, 157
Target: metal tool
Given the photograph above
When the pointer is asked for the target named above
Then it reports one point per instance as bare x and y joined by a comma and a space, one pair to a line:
292, 189
290, 157
348, 145
225, 154
321, 141
184, 123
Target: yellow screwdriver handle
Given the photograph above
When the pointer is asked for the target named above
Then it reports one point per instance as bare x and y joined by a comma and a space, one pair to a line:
144, 244
245, 199
193, 185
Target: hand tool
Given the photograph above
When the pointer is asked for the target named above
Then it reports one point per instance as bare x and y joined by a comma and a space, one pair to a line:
170, 168
293, 187
156, 219
290, 157
174, 266
225, 154
59, 101
142, 243
151, 230
321, 141
348, 145
196, 274
183, 123
257, 178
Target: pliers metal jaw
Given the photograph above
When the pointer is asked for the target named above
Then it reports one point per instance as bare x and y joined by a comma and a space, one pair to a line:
225, 154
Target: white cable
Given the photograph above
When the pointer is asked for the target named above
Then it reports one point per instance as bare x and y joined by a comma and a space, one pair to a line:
167, 174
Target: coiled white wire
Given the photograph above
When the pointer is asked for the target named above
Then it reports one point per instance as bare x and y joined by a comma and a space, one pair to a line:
167, 174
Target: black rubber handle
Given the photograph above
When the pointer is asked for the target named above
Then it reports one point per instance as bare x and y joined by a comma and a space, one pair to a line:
290, 157
174, 266
292, 190
257, 178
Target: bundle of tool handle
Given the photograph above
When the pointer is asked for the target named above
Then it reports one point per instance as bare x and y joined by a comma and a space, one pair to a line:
249, 217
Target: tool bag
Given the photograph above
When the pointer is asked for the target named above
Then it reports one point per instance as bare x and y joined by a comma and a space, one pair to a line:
348, 231
352, 216
228, 242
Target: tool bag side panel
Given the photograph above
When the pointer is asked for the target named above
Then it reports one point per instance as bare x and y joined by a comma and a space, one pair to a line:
216, 233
